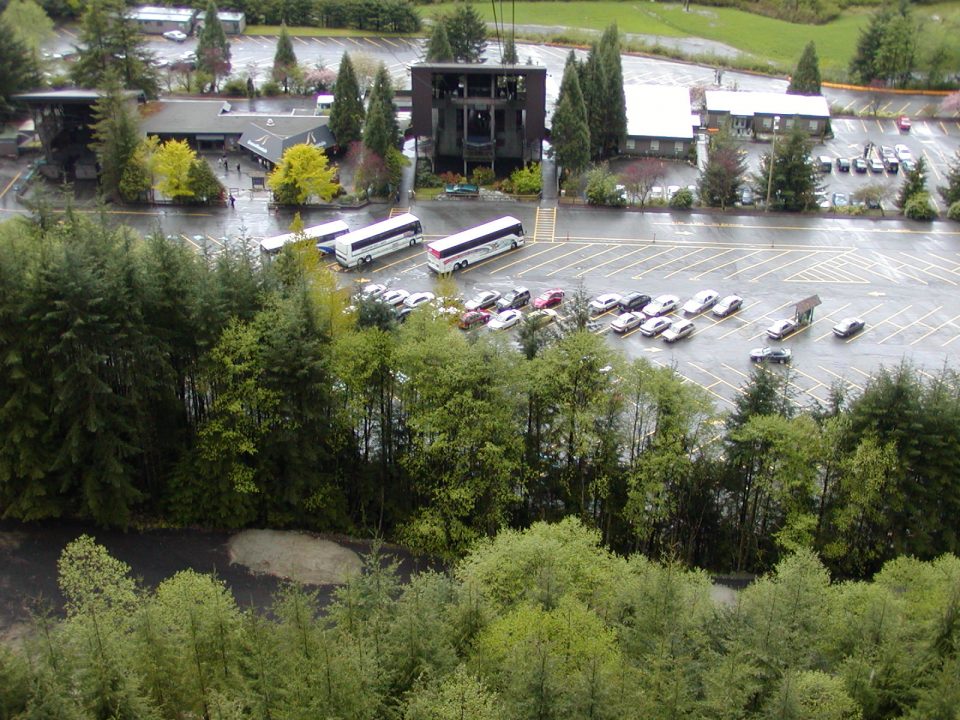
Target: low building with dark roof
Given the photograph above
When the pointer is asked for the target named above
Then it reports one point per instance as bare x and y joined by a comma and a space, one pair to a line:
213, 125
660, 121
755, 113
154, 20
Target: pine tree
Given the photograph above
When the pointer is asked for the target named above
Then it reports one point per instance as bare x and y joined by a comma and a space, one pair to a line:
285, 59
951, 191
381, 131
614, 127
116, 134
438, 47
510, 51
109, 39
592, 84
213, 49
467, 33
806, 78
18, 69
570, 133
915, 182
795, 180
346, 115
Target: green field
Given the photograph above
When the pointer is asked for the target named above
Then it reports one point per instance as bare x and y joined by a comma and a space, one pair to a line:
765, 38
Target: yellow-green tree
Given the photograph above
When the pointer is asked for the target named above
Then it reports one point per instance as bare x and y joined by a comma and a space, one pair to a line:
303, 172
171, 162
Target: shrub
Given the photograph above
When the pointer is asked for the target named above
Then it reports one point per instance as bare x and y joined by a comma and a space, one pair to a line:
451, 178
602, 188
483, 176
682, 199
527, 180
271, 88
954, 212
919, 207
234, 87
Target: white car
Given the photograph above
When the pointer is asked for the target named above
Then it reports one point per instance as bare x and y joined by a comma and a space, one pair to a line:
373, 291
678, 330
655, 325
604, 303
661, 305
175, 35
626, 322
781, 328
418, 299
505, 319
394, 297
903, 152
729, 305
703, 300
482, 300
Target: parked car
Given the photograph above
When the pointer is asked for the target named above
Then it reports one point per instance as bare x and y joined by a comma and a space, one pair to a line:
887, 152
824, 163
848, 326
781, 328
548, 299
505, 319
373, 291
394, 297
892, 165
626, 322
418, 299
461, 190
840, 200
515, 299
747, 196
903, 152
542, 318
908, 165
655, 325
661, 305
633, 301
473, 318
482, 300
771, 354
876, 166
703, 300
402, 313
728, 305
604, 303
678, 330
903, 123
860, 165
843, 164
175, 35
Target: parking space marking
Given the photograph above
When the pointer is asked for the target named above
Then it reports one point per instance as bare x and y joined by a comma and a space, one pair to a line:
841, 378
731, 262
10, 184
578, 248
767, 317
871, 328
700, 262
607, 262
915, 322
778, 268
300, 40
662, 252
719, 381
668, 262
925, 269
578, 260
808, 376
413, 267
523, 258
932, 165
931, 331
763, 262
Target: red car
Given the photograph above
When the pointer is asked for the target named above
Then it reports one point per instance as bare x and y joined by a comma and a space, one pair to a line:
549, 299
472, 318
903, 122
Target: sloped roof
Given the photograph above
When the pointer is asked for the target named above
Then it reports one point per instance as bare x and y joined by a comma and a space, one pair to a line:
263, 139
747, 104
659, 111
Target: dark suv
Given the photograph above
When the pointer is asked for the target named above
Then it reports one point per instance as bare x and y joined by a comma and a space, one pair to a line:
633, 301
515, 299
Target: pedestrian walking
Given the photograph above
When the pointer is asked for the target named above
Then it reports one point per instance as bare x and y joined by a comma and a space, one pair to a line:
238, 167
233, 201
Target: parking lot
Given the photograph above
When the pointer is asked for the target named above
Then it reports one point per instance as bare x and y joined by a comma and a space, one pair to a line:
901, 281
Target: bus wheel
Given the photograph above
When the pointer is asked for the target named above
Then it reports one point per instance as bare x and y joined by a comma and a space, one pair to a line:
413, 242
464, 264
456, 266
513, 245
368, 259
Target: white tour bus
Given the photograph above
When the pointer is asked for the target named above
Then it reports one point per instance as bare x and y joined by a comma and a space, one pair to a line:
475, 244
322, 235
362, 246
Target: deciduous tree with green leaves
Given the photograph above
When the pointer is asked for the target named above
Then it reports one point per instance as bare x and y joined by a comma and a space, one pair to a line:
172, 162
806, 78
724, 171
303, 172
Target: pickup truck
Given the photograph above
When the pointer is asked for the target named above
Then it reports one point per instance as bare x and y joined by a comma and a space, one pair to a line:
461, 190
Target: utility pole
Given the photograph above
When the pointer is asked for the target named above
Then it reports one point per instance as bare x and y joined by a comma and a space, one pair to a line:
773, 155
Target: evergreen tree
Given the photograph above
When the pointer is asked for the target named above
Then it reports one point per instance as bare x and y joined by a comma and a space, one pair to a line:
724, 171
285, 59
887, 48
109, 39
381, 130
510, 51
614, 126
467, 33
438, 47
806, 78
914, 183
592, 84
116, 134
570, 133
18, 68
213, 48
30, 22
795, 180
346, 115
951, 191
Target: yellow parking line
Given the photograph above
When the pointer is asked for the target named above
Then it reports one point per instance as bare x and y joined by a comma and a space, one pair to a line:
943, 127
731, 262
662, 252
373, 42
879, 125
915, 322
927, 268
393, 44
782, 267
841, 377
490, 260
931, 164
870, 328
10, 184
534, 267
903, 108
621, 257
559, 269
336, 41
736, 316
402, 260
516, 262
300, 40
750, 267
884, 108
818, 381
847, 106
931, 331
668, 262
690, 267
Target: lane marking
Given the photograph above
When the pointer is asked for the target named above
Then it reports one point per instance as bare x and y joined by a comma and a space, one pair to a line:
915, 322
10, 184
517, 262
934, 329
619, 257
534, 267
564, 267
662, 252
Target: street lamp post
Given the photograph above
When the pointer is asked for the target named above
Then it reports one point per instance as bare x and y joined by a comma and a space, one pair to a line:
773, 153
